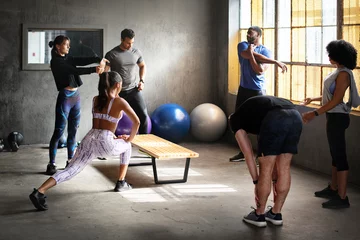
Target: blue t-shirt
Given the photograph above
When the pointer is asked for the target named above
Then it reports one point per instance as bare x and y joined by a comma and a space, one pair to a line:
249, 79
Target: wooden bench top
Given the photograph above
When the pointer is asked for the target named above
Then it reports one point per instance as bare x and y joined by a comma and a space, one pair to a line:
161, 148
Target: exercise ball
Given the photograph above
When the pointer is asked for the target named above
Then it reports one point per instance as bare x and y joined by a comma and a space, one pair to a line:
62, 141
208, 122
171, 122
15, 139
125, 124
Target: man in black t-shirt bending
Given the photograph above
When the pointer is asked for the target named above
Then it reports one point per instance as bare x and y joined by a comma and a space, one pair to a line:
278, 126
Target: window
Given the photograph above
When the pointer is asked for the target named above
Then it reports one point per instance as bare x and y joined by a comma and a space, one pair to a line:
297, 33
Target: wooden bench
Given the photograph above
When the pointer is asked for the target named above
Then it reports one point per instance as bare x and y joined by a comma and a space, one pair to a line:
159, 148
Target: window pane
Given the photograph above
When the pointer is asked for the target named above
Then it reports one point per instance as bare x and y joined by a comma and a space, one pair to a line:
298, 45
243, 34
313, 81
313, 13
284, 84
329, 12
284, 13
329, 34
351, 12
269, 13
313, 45
352, 35
298, 13
298, 83
270, 80
283, 46
245, 14
257, 14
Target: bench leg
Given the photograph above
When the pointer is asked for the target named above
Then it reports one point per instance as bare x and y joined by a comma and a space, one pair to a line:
186, 171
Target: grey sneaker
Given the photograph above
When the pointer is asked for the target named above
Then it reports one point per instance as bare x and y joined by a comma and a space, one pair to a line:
274, 218
254, 219
122, 186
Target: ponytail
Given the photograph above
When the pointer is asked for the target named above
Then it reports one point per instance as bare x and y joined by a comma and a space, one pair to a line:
106, 82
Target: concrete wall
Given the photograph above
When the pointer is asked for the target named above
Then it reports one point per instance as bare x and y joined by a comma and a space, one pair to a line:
313, 148
175, 36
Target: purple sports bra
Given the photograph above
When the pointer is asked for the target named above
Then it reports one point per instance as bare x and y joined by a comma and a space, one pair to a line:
106, 116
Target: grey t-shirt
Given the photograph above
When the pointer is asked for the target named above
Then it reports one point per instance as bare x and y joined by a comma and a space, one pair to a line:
125, 63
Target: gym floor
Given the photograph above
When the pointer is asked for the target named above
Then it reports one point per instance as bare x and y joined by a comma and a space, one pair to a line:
210, 205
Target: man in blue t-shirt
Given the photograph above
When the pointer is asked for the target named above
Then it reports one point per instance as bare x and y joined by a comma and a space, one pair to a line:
254, 59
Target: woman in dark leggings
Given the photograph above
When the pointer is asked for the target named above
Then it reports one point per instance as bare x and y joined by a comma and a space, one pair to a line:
67, 79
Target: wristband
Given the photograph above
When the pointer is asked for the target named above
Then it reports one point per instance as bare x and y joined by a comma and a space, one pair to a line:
142, 81
255, 181
316, 113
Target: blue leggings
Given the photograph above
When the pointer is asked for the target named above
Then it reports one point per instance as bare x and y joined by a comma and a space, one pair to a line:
67, 111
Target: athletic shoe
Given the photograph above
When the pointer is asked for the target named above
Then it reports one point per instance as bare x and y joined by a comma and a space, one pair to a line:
274, 218
254, 219
237, 158
326, 193
51, 169
336, 203
122, 186
38, 200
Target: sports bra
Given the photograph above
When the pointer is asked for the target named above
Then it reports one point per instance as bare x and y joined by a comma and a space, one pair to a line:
106, 116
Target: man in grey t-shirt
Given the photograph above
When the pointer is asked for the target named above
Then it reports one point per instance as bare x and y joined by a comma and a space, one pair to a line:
125, 60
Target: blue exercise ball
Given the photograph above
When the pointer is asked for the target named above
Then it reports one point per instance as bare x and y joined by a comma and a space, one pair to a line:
125, 124
208, 122
171, 122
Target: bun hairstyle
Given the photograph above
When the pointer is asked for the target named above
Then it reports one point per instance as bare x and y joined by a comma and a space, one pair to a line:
106, 83
57, 41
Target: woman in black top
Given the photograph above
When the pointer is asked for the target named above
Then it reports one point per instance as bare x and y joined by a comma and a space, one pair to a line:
67, 79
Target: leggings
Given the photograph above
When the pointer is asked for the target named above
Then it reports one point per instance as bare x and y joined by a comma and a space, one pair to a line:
336, 125
67, 111
136, 101
97, 142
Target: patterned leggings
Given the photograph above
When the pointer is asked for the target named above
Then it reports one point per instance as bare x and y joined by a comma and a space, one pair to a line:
96, 143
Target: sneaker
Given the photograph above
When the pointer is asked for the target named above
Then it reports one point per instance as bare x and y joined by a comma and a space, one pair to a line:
274, 218
337, 202
254, 219
101, 158
67, 164
122, 186
237, 158
326, 193
51, 169
38, 200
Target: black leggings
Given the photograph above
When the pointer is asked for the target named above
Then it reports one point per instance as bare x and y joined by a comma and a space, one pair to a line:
244, 94
136, 101
336, 125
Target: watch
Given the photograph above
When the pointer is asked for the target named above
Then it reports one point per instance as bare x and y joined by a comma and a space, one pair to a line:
316, 113
142, 81
255, 181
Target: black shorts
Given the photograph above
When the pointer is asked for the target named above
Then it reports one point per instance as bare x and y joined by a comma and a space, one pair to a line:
280, 132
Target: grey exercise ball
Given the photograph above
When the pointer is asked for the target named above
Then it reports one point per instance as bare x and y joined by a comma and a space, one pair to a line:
207, 122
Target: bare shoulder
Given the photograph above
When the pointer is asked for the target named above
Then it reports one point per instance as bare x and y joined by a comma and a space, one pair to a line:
121, 102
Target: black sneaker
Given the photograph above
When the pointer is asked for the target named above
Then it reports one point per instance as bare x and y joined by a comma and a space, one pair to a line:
274, 218
337, 202
51, 169
326, 193
237, 158
122, 186
254, 219
38, 200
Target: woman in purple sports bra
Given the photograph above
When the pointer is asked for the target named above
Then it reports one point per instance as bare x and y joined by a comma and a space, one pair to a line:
100, 140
